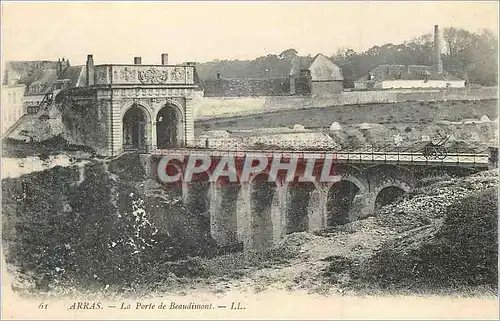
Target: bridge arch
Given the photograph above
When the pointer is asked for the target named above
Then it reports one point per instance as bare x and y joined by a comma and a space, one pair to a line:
388, 194
298, 206
340, 198
265, 210
199, 195
169, 125
136, 126
383, 174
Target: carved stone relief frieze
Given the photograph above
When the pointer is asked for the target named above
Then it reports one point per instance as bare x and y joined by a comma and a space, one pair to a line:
178, 74
128, 74
102, 76
153, 76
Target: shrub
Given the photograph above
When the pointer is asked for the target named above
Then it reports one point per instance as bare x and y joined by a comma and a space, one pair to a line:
98, 232
468, 240
460, 251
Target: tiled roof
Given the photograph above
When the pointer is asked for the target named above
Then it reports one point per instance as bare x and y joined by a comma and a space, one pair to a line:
73, 73
321, 67
197, 80
26, 72
406, 72
46, 80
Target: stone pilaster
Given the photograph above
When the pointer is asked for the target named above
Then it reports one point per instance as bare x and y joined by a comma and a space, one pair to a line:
116, 130
189, 122
317, 212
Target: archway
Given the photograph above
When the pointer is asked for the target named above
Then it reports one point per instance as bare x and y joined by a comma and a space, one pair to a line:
388, 195
227, 213
168, 127
262, 209
198, 198
134, 129
198, 201
297, 219
339, 202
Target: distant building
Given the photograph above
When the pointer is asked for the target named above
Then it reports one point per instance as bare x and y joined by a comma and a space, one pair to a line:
12, 107
317, 76
411, 76
294, 75
41, 78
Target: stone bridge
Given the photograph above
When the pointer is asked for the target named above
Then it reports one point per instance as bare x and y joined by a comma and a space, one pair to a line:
260, 212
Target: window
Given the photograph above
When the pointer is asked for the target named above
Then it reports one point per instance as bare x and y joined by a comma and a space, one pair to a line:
32, 109
13, 97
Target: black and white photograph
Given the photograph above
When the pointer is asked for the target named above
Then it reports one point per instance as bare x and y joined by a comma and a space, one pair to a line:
249, 160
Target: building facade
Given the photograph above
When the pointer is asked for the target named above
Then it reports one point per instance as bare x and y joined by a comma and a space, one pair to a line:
318, 76
406, 77
12, 105
393, 76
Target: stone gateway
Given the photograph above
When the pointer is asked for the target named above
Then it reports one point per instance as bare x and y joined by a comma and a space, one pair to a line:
131, 107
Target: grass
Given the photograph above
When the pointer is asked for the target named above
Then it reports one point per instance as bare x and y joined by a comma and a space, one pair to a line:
354, 114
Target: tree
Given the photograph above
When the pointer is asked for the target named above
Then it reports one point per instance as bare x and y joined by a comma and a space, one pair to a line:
288, 54
420, 49
465, 54
471, 56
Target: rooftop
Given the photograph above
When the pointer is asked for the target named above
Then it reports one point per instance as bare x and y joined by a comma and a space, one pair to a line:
321, 67
406, 72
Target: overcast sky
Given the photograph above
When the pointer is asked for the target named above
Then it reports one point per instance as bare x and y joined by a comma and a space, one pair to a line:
202, 31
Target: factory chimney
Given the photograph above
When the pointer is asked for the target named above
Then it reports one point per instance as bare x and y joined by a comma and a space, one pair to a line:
438, 63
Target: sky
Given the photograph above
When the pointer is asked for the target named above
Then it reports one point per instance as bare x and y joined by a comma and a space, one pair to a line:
115, 32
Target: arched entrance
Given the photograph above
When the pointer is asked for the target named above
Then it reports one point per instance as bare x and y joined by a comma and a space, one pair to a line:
340, 198
168, 127
134, 129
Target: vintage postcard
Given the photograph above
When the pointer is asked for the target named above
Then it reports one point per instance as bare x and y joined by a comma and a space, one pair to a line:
249, 160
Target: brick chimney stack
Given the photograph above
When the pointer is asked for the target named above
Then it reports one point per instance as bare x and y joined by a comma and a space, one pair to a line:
438, 63
164, 59
137, 60
90, 71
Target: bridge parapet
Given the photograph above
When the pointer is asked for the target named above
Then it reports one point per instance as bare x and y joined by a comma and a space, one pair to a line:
362, 156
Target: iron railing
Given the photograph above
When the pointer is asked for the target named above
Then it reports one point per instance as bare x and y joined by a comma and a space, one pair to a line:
409, 153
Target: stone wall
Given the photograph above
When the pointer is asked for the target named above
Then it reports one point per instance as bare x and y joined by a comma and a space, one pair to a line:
246, 87
85, 120
321, 88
